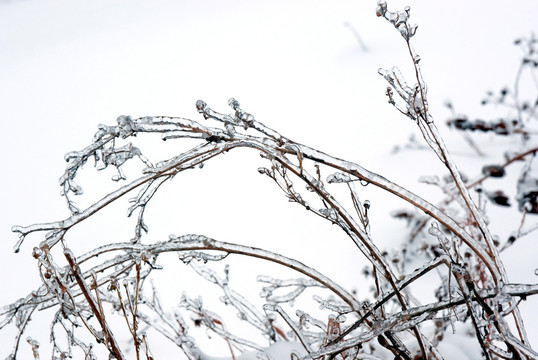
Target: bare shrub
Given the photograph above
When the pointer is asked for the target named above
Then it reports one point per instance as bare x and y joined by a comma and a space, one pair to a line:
473, 286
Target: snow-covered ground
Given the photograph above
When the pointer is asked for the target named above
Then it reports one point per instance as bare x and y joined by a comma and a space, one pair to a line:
66, 66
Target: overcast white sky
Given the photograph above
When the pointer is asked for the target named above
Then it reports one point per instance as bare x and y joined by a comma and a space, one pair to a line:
66, 66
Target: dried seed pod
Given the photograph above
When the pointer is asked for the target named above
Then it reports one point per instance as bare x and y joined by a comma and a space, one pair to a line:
493, 171
499, 197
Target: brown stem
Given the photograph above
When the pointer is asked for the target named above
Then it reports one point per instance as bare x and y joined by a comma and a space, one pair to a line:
112, 344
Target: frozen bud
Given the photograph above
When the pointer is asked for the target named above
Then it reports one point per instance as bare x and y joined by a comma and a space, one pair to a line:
36, 252
412, 32
233, 103
263, 171
122, 120
201, 106
381, 8
434, 231
366, 204
329, 213
385, 73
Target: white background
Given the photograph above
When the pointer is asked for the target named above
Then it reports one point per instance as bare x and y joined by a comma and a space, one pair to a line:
66, 66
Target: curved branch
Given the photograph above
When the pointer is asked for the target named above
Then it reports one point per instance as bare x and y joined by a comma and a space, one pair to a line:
200, 242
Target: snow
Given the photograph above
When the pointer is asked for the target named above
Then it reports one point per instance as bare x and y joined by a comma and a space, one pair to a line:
66, 67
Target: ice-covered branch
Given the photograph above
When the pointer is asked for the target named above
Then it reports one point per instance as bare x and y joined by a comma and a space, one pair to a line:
473, 284
417, 109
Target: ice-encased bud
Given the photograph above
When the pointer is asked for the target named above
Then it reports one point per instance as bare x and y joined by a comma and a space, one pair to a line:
330, 213
413, 31
36, 252
385, 73
200, 106
122, 119
234, 104
435, 231
381, 8
263, 171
